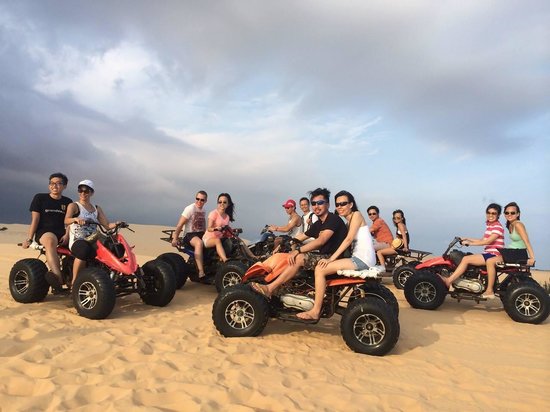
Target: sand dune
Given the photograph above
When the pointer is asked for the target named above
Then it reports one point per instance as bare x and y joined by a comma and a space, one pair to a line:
464, 356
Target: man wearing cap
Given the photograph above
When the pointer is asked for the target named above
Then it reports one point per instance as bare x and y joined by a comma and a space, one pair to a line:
292, 228
47, 227
79, 216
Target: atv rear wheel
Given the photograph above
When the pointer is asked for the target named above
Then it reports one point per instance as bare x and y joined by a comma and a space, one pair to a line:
527, 302
93, 293
424, 290
27, 281
160, 283
229, 274
402, 273
369, 326
178, 265
239, 312
382, 293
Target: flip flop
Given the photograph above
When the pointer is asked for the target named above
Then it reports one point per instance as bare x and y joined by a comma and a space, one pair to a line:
53, 281
256, 287
293, 318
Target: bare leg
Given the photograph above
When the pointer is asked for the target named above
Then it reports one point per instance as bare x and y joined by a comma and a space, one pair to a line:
287, 274
78, 265
382, 253
217, 243
49, 241
491, 274
198, 245
476, 260
321, 286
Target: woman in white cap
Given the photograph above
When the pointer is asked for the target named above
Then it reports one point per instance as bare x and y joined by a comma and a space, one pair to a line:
79, 216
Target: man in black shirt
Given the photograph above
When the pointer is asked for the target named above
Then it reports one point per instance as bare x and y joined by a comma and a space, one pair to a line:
328, 232
47, 223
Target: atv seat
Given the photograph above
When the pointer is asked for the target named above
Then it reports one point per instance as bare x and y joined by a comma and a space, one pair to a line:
363, 274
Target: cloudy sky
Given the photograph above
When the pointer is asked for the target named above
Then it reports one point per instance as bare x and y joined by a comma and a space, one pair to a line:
437, 108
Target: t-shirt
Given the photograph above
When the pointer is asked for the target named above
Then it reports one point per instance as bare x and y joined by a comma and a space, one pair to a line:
52, 213
334, 223
381, 231
218, 221
196, 219
491, 229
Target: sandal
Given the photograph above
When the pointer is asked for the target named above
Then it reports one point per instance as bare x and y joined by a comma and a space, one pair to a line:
261, 289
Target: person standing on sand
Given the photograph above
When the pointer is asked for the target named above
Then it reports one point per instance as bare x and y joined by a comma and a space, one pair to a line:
48, 227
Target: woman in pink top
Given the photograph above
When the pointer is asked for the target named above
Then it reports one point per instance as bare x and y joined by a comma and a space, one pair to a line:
221, 216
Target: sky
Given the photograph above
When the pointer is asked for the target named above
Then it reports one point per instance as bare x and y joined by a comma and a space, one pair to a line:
435, 108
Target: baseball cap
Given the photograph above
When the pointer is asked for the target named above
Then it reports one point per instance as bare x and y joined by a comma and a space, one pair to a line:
88, 183
289, 203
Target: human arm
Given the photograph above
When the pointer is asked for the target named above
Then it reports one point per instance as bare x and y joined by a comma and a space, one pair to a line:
522, 232
292, 223
103, 219
35, 218
480, 242
355, 223
179, 227
375, 227
313, 245
403, 229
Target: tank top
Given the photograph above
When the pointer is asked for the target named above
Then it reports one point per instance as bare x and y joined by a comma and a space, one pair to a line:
77, 231
400, 236
362, 246
295, 230
516, 241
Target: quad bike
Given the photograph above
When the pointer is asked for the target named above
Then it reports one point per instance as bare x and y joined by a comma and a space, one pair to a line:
239, 257
523, 298
114, 272
402, 265
369, 310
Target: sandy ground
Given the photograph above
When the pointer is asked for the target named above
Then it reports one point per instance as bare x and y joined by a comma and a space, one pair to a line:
463, 356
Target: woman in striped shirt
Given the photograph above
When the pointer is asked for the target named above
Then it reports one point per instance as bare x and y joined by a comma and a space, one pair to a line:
493, 239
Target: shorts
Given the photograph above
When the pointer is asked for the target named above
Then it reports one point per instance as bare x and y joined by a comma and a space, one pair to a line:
311, 259
188, 236
488, 256
359, 264
39, 234
83, 250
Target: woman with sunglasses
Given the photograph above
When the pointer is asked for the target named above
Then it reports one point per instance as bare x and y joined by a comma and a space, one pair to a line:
79, 216
401, 233
519, 240
493, 239
363, 256
218, 218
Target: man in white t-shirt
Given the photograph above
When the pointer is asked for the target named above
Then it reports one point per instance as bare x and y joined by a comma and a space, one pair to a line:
193, 223
308, 218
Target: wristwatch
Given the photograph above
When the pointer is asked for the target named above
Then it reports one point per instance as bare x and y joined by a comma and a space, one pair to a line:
299, 250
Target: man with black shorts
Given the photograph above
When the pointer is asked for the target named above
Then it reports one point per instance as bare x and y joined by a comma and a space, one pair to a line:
328, 232
48, 227
193, 224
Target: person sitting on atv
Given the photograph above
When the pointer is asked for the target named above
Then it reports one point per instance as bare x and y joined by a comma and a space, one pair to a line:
292, 228
193, 223
82, 218
519, 240
401, 233
47, 227
308, 218
493, 239
363, 255
218, 218
379, 229
328, 233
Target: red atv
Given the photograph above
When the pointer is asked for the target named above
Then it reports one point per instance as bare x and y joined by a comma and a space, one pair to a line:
369, 310
523, 298
114, 272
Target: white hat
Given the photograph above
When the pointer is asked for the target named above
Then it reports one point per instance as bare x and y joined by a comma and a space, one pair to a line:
88, 183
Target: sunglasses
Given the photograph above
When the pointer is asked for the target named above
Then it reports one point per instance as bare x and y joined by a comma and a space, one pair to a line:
373, 214
198, 199
492, 213
342, 204
56, 184
318, 202
222, 202
84, 190
510, 213
288, 207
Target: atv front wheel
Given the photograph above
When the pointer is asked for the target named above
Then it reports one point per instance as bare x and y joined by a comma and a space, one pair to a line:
239, 312
527, 302
93, 293
402, 273
424, 290
369, 326
178, 265
160, 283
229, 274
27, 281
